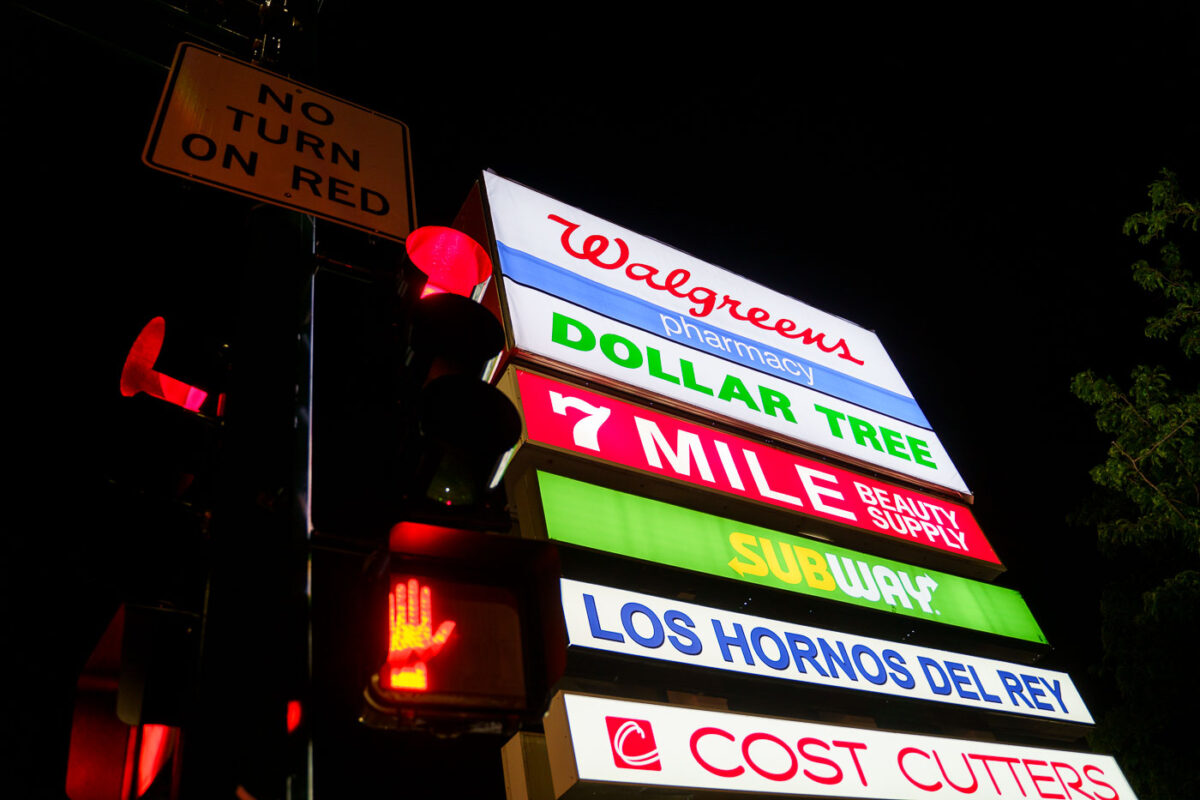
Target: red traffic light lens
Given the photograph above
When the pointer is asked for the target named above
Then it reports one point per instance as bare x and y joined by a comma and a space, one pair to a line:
454, 262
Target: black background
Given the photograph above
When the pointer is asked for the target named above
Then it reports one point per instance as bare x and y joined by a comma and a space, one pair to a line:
954, 181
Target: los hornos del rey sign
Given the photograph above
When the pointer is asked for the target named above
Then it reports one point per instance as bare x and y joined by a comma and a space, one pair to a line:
641, 625
586, 293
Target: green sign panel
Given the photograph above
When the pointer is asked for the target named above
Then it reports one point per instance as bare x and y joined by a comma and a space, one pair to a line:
603, 519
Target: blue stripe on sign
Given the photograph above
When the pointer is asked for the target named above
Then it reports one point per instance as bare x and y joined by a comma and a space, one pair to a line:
562, 283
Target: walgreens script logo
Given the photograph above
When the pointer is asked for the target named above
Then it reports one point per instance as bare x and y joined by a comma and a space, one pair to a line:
705, 300
633, 744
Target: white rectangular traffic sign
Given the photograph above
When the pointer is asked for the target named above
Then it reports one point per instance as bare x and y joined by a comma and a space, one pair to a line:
241, 128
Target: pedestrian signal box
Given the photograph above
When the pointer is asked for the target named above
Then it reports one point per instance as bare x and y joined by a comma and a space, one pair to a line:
451, 644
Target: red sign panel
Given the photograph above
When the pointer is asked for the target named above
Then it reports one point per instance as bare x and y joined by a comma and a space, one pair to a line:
593, 425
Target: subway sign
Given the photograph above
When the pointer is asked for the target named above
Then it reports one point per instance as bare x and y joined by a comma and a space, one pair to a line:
645, 626
702, 337
596, 426
593, 739
604, 519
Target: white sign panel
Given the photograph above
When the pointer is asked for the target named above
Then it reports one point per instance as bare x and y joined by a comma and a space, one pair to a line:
566, 333
636, 624
593, 263
626, 742
758, 344
588, 261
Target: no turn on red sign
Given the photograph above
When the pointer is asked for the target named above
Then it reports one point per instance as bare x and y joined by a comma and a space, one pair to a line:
236, 126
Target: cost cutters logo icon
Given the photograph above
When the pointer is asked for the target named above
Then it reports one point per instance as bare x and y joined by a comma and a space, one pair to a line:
642, 752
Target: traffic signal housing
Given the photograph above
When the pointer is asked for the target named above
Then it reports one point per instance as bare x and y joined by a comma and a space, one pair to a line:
402, 424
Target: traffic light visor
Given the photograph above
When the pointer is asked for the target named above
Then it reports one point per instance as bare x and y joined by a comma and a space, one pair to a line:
139, 375
454, 262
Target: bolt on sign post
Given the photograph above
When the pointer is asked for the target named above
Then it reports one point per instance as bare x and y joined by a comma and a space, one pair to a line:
239, 127
636, 527
593, 740
563, 418
634, 624
700, 338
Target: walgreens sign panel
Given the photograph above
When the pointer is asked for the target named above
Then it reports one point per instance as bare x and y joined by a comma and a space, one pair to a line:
590, 294
617, 741
567, 417
645, 626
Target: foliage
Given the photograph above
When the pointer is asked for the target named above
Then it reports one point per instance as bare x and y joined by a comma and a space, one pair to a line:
1171, 279
1154, 457
1148, 521
1153, 461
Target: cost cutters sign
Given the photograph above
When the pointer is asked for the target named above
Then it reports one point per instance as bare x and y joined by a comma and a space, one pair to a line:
593, 425
702, 337
604, 739
645, 626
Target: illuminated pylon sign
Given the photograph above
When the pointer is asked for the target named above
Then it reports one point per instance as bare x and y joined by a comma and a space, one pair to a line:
411, 639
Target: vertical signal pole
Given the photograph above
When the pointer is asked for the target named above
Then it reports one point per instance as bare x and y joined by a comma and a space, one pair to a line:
253, 672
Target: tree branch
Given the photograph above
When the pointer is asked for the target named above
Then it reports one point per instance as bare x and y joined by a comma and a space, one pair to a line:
1132, 408
1157, 491
1154, 446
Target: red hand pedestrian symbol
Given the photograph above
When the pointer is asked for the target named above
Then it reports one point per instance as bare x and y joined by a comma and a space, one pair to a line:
411, 640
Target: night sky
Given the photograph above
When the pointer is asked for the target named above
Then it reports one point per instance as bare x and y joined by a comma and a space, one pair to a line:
955, 182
